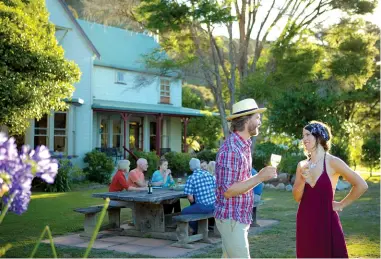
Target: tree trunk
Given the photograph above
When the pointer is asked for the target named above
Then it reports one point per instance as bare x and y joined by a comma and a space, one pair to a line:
221, 110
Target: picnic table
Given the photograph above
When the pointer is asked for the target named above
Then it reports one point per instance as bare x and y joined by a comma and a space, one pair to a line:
148, 211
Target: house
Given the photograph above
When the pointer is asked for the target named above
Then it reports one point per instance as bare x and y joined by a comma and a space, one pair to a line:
119, 102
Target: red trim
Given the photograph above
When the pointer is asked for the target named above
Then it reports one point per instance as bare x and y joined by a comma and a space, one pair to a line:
125, 117
159, 119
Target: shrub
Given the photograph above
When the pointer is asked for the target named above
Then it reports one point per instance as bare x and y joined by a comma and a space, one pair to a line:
341, 150
62, 181
206, 155
152, 159
371, 152
178, 163
99, 167
289, 163
262, 154
76, 174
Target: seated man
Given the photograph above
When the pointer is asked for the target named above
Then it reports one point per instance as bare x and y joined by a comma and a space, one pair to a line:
200, 188
135, 179
119, 181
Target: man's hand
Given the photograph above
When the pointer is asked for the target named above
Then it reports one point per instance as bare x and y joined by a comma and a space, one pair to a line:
267, 173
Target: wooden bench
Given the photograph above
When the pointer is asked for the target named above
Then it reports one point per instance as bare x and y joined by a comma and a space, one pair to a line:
91, 217
183, 237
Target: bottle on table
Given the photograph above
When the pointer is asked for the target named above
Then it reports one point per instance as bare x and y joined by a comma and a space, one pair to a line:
149, 186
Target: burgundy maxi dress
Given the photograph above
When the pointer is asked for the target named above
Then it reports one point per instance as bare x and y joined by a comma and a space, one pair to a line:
318, 229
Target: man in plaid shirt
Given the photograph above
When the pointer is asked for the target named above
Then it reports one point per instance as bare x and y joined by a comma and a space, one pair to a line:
200, 188
234, 196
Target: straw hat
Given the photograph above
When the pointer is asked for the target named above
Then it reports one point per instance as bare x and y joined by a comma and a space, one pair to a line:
245, 107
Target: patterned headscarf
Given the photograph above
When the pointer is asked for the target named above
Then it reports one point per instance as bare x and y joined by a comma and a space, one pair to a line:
318, 130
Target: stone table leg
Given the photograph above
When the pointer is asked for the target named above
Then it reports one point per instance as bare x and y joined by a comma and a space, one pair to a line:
149, 217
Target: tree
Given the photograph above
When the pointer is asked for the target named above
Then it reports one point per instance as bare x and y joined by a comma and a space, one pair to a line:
35, 78
371, 152
224, 65
205, 130
333, 79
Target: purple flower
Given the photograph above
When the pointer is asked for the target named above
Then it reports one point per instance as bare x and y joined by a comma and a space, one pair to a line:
18, 170
42, 166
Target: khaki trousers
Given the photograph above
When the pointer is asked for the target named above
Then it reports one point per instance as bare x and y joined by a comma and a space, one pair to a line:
235, 243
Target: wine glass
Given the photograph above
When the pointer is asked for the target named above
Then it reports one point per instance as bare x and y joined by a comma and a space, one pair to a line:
275, 160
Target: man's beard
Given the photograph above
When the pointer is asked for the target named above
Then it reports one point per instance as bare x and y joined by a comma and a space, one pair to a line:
253, 130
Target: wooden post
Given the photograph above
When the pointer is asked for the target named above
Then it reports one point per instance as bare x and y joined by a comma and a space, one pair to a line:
185, 147
159, 119
125, 117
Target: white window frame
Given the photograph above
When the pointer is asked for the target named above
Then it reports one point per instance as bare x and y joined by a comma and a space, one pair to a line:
50, 131
46, 129
60, 129
120, 77
165, 90
117, 134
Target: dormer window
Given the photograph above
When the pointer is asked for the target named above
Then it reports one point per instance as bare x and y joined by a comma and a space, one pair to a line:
120, 77
165, 91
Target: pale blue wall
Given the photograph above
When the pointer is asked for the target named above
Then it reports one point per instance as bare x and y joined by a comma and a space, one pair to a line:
174, 132
80, 119
139, 88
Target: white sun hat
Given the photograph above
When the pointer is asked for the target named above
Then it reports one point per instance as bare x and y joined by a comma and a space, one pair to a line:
245, 107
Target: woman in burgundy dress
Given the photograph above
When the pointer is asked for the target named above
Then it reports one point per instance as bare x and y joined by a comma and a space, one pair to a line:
318, 229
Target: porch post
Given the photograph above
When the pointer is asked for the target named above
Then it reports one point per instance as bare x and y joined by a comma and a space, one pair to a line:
185, 147
159, 119
125, 117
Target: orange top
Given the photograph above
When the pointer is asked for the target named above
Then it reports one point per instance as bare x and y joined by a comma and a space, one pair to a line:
135, 176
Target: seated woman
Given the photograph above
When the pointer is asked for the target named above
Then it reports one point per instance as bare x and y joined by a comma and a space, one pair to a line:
119, 181
163, 176
212, 167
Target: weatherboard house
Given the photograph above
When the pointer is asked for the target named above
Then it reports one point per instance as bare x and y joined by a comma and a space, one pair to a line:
118, 102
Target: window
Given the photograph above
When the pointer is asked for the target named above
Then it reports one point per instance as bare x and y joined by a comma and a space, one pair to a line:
60, 132
165, 91
104, 132
41, 132
51, 131
120, 77
116, 133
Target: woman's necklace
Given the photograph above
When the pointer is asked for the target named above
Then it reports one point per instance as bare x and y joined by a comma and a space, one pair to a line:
313, 165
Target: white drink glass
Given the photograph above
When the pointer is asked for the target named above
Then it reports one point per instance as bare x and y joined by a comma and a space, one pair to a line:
275, 160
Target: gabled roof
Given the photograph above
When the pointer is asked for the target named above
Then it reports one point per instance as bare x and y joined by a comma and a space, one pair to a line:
120, 48
72, 18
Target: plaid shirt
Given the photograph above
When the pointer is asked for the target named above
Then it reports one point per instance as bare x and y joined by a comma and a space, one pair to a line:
201, 184
233, 164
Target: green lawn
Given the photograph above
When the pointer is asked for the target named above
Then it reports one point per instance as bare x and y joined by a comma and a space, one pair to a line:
361, 223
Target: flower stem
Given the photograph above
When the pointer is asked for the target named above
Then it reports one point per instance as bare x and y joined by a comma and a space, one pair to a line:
7, 207
46, 229
97, 227
51, 242
38, 242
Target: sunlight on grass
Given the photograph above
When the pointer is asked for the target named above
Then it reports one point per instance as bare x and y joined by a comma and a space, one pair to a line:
48, 195
362, 246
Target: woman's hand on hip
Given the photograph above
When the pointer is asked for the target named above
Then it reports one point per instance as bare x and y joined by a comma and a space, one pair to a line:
337, 206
